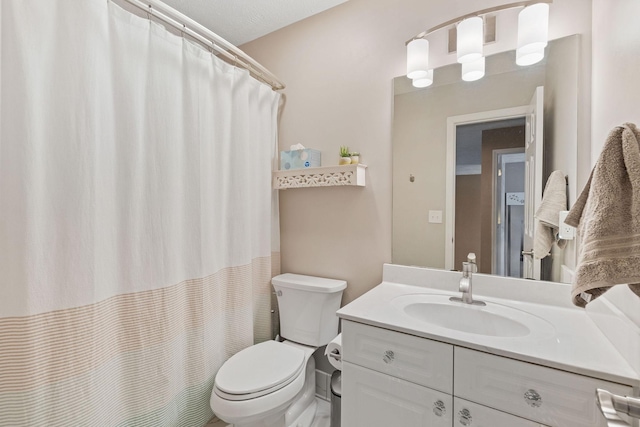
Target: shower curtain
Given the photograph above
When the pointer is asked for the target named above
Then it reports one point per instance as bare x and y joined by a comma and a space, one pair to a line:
138, 227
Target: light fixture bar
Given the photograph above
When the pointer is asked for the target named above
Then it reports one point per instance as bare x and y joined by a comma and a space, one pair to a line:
477, 13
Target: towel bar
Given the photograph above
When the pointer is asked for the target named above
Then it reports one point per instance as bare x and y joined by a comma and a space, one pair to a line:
611, 405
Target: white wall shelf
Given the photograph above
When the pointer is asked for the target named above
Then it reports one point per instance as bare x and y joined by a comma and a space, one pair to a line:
326, 176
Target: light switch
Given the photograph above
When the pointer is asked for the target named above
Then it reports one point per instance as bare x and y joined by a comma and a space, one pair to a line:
435, 217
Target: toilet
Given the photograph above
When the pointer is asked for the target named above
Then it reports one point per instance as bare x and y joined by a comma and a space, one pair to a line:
272, 384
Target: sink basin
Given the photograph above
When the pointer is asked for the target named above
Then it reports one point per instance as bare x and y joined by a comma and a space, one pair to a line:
494, 319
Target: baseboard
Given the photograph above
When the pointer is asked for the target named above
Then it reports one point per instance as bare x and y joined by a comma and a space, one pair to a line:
323, 385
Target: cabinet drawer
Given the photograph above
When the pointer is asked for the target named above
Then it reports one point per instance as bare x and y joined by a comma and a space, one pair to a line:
467, 413
419, 360
545, 395
372, 399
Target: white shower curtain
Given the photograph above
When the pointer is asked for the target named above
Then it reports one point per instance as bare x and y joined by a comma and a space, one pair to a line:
138, 227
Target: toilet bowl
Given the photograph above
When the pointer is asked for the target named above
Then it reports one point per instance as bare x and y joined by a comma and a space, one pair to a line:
259, 385
272, 384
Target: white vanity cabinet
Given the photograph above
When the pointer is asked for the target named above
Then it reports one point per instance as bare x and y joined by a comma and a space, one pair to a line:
373, 399
392, 378
538, 393
466, 413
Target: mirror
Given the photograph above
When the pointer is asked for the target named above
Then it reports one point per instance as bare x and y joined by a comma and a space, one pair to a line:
426, 122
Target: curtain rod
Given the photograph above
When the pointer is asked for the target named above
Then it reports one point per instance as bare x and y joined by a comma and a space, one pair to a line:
208, 38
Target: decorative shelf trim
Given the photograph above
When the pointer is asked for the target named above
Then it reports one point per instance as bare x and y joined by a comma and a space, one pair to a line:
327, 176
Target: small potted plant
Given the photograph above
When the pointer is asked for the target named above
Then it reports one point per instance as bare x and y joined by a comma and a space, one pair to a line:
345, 155
355, 157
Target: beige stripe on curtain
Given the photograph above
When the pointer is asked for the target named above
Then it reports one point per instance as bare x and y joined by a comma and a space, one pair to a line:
139, 231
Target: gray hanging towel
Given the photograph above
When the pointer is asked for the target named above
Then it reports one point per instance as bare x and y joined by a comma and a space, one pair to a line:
607, 215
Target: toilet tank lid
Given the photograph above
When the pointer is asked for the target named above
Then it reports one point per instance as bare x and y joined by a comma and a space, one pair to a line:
309, 283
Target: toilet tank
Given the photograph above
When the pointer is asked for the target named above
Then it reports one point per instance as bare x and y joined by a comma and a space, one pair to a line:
307, 306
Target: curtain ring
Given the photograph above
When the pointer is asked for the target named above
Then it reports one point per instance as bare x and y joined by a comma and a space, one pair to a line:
149, 13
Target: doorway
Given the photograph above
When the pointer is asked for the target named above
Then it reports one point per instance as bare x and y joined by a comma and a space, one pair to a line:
508, 211
482, 224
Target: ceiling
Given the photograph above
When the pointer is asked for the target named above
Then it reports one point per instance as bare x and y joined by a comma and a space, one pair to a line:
240, 21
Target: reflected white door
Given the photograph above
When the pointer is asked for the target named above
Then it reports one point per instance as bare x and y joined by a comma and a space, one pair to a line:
532, 181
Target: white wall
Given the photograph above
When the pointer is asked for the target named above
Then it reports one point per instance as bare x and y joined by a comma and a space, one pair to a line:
338, 67
616, 92
563, 100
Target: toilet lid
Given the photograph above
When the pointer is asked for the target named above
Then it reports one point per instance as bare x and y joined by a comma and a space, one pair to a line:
260, 367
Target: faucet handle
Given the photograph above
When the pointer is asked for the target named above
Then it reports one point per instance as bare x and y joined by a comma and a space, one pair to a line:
469, 267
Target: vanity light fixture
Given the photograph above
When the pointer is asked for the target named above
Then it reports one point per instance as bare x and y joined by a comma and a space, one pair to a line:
417, 58
470, 33
472, 71
533, 28
424, 81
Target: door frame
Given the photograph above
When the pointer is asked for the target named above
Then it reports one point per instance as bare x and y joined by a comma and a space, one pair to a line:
450, 189
499, 205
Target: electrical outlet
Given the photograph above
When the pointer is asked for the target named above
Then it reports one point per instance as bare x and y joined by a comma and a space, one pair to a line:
435, 217
566, 232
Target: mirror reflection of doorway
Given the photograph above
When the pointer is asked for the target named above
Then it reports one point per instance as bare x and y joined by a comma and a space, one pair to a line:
508, 213
489, 190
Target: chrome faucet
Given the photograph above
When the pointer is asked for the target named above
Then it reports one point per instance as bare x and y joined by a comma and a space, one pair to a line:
468, 268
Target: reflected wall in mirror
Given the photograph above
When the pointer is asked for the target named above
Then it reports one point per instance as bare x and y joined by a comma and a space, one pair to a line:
422, 121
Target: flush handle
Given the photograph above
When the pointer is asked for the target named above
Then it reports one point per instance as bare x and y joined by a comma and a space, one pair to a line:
388, 357
533, 398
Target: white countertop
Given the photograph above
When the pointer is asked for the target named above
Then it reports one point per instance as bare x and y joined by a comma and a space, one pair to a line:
577, 346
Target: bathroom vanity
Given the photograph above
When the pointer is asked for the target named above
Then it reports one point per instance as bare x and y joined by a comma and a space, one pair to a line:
528, 358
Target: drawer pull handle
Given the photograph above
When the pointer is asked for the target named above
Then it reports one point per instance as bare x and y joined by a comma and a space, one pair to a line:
438, 408
533, 398
464, 417
388, 356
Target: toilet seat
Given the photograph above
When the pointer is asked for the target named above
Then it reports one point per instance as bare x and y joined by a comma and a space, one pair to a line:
259, 370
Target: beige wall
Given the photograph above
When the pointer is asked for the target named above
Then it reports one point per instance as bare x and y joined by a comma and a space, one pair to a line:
338, 67
616, 89
468, 222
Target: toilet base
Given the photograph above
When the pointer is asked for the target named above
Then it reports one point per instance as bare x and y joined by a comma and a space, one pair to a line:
306, 417
322, 417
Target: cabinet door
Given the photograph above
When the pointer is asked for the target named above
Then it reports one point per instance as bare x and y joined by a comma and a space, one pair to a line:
549, 396
372, 399
418, 360
467, 413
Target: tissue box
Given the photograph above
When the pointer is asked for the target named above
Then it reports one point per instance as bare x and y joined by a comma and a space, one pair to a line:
299, 159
